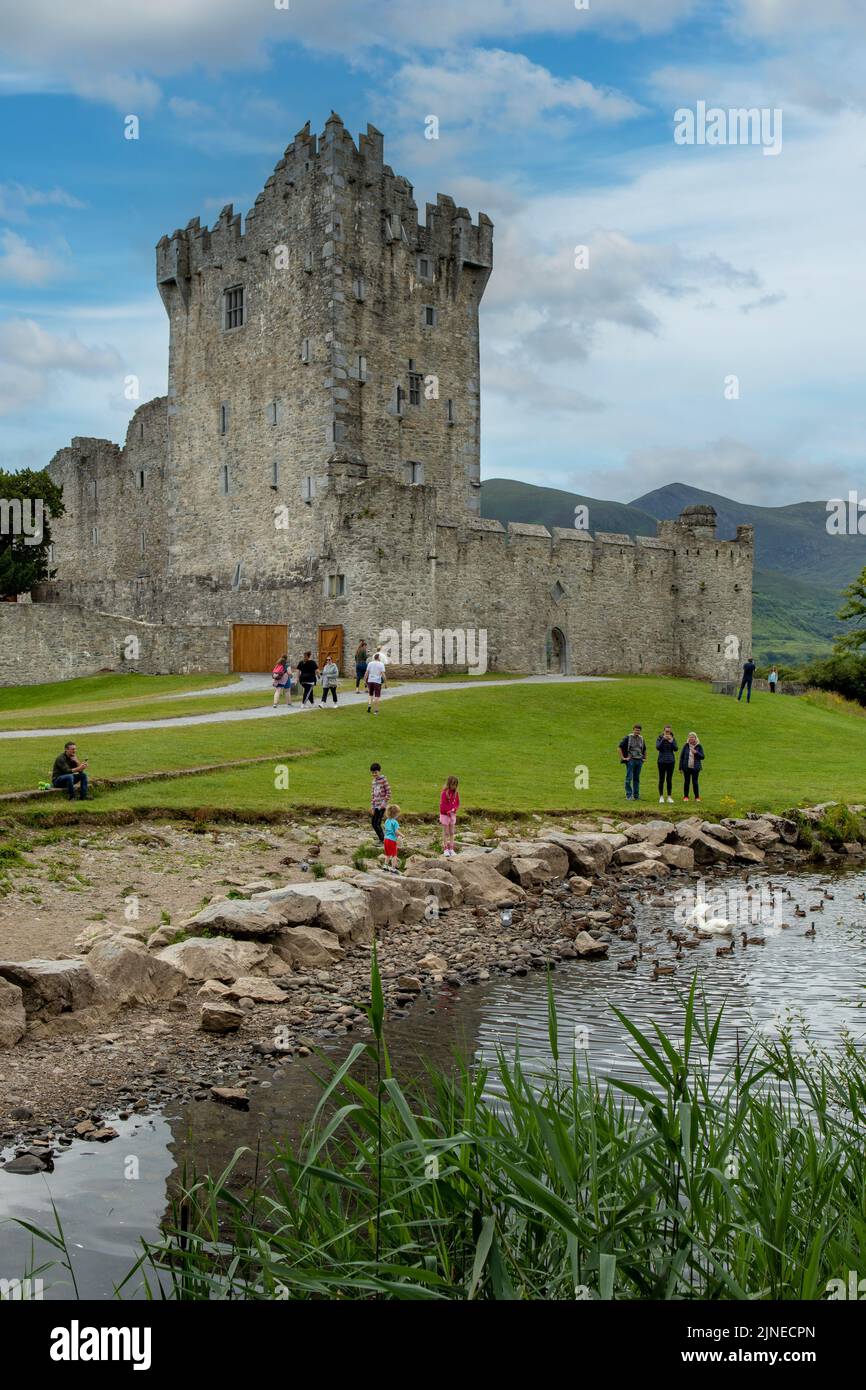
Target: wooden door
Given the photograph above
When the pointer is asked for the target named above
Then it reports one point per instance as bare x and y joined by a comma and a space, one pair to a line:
330, 646
257, 646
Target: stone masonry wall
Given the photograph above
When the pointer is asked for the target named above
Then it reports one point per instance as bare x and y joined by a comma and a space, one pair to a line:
56, 641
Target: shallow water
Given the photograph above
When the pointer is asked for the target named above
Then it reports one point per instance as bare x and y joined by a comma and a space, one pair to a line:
108, 1196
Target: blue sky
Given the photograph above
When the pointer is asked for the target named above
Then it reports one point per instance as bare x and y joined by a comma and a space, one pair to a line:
705, 262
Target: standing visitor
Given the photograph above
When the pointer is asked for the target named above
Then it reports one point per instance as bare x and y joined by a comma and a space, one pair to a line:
667, 746
307, 676
449, 804
282, 678
746, 682
691, 762
632, 752
392, 836
374, 678
361, 660
772, 680
330, 676
380, 795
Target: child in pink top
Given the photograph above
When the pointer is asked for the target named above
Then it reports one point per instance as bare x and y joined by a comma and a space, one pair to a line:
449, 802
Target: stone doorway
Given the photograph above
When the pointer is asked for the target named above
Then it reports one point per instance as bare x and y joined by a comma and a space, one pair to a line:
557, 654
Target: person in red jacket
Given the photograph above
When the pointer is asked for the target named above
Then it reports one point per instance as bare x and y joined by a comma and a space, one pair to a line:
449, 803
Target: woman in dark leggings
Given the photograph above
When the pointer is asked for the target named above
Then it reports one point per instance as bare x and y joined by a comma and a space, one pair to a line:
691, 762
307, 676
667, 746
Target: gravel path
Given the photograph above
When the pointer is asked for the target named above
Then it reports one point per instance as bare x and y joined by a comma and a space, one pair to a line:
267, 711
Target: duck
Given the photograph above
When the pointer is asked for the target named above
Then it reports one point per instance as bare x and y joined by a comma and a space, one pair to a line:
862, 897
725, 950
831, 896
630, 935
799, 912
783, 926
690, 942
816, 907
811, 931
630, 964
646, 950
753, 940
659, 970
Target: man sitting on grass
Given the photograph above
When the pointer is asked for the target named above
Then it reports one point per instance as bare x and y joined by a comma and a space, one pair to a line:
67, 771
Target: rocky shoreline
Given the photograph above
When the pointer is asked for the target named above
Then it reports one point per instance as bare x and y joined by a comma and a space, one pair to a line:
266, 974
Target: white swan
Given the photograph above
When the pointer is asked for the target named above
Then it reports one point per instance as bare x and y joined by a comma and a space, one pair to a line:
716, 926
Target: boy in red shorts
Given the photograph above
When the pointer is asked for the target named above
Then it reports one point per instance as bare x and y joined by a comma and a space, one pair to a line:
392, 837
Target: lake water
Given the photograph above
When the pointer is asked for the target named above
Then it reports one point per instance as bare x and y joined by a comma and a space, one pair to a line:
108, 1196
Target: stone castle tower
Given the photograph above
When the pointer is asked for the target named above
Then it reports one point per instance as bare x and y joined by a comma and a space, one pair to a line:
314, 466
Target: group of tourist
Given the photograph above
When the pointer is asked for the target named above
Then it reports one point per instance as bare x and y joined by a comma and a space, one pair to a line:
632, 752
307, 673
384, 816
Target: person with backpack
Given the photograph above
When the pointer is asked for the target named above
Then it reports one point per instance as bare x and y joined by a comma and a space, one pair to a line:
282, 680
307, 676
691, 762
330, 676
666, 746
632, 752
746, 682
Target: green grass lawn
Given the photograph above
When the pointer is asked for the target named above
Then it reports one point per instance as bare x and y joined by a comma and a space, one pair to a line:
98, 699
514, 749
118, 699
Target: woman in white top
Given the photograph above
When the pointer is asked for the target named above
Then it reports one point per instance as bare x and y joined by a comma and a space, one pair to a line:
373, 679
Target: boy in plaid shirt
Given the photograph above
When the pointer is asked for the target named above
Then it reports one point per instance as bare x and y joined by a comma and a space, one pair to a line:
380, 795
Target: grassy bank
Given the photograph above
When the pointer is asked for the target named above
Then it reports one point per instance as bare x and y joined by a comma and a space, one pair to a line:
517, 748
677, 1186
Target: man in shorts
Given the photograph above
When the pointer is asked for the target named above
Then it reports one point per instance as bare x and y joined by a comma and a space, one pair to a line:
374, 678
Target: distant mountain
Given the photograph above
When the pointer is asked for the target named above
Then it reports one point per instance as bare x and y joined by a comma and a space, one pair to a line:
800, 569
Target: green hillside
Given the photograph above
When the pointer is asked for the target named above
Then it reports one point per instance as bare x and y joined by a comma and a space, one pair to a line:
800, 569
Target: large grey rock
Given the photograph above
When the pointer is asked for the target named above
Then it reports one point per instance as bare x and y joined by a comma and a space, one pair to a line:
87, 939
535, 862
647, 868
296, 902
635, 854
239, 917
719, 832
482, 884
13, 1020
678, 856
216, 958
51, 987
654, 832
134, 975
588, 853
497, 857
308, 947
705, 849
344, 910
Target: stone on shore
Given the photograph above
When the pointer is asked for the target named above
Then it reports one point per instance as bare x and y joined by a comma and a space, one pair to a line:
216, 958
261, 991
587, 946
217, 1017
312, 948
13, 1020
51, 987
134, 975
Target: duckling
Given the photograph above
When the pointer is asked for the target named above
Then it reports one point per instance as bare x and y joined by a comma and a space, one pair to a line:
659, 970
799, 912
630, 964
811, 931
753, 940
725, 950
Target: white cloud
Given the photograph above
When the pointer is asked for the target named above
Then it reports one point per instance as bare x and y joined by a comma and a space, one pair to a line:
26, 342
490, 89
16, 199
23, 264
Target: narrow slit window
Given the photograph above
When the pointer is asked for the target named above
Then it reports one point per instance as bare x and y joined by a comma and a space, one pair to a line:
224, 479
